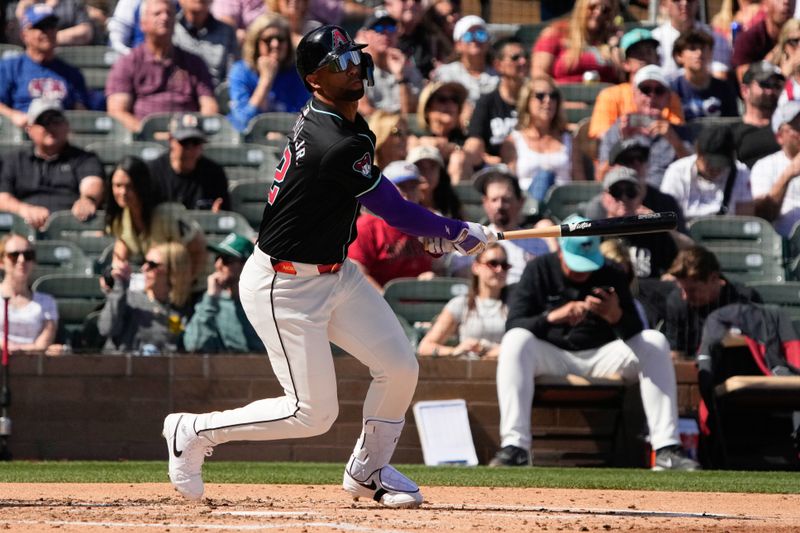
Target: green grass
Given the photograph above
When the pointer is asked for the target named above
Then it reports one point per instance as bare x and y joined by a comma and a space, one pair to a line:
325, 473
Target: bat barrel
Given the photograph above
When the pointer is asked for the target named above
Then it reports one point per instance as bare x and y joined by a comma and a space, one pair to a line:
648, 223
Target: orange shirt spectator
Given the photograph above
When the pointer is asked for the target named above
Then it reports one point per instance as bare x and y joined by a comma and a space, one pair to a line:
614, 102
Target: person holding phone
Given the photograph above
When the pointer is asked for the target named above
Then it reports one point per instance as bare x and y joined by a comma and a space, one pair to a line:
668, 141
573, 313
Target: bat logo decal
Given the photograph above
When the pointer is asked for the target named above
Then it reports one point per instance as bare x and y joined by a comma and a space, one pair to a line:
364, 165
579, 225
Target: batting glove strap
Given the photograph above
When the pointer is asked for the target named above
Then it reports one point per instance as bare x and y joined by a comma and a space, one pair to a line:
473, 239
436, 246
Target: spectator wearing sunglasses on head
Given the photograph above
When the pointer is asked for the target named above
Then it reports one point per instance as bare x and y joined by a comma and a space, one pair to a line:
185, 175
219, 323
397, 81
472, 69
668, 141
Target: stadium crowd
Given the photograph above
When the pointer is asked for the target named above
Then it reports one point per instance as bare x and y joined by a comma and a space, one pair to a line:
472, 120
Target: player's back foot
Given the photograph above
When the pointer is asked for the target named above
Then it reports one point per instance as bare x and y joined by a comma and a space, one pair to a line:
386, 486
187, 451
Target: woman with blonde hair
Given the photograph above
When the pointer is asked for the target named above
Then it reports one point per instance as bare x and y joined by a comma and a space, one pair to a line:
296, 14
540, 150
477, 318
567, 49
391, 137
787, 56
149, 321
265, 79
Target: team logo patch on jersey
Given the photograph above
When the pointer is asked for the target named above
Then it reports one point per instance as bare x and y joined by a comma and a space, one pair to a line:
339, 39
364, 165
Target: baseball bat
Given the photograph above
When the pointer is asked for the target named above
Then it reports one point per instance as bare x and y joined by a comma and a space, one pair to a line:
649, 223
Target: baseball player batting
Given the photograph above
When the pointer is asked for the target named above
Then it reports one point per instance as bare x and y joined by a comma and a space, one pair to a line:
300, 292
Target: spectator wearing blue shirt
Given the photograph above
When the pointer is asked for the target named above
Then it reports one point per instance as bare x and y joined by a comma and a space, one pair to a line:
38, 73
266, 79
701, 94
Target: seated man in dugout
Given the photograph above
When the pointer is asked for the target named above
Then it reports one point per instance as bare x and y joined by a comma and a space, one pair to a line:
572, 313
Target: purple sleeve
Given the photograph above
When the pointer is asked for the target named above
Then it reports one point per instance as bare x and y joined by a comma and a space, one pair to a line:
386, 202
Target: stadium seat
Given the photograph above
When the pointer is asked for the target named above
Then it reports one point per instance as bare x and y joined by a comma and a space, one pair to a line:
579, 99
248, 199
60, 257
417, 302
94, 62
77, 296
9, 133
737, 231
89, 236
7, 147
696, 125
471, 201
746, 264
280, 124
785, 294
12, 222
244, 161
529, 33
110, 152
218, 225
223, 97
8, 51
155, 128
87, 127
564, 200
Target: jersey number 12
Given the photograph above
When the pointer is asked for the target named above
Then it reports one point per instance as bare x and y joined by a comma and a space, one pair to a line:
280, 174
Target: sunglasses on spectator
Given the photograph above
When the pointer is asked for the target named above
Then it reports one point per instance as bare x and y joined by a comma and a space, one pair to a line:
445, 99
151, 265
28, 255
191, 143
269, 38
653, 90
772, 83
384, 28
793, 42
478, 36
495, 263
542, 95
622, 191
517, 57
228, 259
340, 64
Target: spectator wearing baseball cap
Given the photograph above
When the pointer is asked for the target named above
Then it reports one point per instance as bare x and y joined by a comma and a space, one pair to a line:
754, 139
73, 25
382, 252
187, 176
773, 178
219, 323
435, 190
574, 313
38, 73
398, 81
684, 18
144, 81
701, 94
472, 69
639, 48
668, 141
634, 153
52, 175
711, 182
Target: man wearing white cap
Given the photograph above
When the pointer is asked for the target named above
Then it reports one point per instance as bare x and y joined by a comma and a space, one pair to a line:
472, 69
772, 179
651, 95
382, 252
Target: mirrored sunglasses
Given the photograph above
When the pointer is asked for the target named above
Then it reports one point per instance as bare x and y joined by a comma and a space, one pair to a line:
384, 28
478, 36
340, 64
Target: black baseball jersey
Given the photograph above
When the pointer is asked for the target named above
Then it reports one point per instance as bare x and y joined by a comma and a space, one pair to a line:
312, 205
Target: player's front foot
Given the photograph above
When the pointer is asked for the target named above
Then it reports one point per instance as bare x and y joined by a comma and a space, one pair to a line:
187, 451
386, 486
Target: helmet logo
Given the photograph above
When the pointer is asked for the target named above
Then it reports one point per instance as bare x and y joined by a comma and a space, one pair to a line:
339, 38
364, 165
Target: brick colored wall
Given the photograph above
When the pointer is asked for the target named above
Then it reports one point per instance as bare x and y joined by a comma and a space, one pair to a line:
112, 407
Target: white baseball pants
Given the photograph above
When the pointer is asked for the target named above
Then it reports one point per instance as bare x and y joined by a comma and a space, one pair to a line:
296, 316
644, 357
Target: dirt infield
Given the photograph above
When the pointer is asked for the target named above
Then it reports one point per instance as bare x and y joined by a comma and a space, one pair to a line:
296, 508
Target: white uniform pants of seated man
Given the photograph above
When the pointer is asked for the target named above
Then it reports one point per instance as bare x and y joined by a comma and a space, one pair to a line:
644, 358
296, 317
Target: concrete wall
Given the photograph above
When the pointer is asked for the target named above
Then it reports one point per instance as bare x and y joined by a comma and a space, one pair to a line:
112, 407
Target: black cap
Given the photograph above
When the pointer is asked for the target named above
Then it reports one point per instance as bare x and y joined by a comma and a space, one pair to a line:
636, 144
499, 172
717, 146
761, 71
379, 16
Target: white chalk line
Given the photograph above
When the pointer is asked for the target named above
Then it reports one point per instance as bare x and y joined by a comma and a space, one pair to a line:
574, 511
272, 514
244, 527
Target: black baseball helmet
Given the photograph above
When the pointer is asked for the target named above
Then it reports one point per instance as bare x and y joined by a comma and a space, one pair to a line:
326, 44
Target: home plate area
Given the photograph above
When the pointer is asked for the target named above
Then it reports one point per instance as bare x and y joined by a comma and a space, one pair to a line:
298, 508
